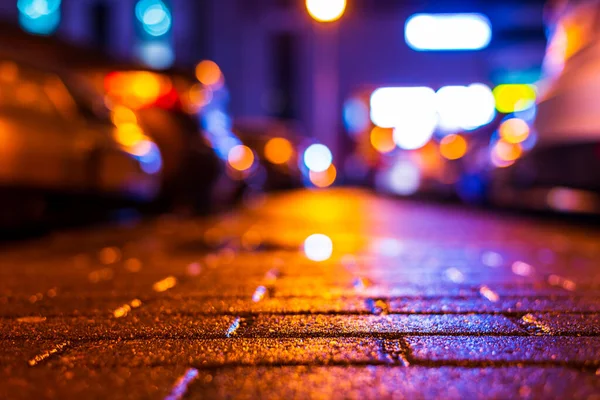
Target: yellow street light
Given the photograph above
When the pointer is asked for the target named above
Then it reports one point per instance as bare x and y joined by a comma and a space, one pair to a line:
326, 10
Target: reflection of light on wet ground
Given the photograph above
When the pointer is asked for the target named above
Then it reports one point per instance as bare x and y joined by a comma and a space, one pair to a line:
259, 293
133, 265
233, 327
567, 284
164, 284
31, 320
193, 269
492, 259
361, 283
123, 310
251, 239
109, 255
532, 320
455, 275
489, 294
522, 268
104, 274
43, 356
318, 247
387, 247
181, 386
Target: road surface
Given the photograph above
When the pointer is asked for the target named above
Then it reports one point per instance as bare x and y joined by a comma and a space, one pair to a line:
405, 300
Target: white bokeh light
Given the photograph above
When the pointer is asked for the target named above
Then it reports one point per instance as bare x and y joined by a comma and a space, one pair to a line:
425, 32
414, 132
391, 105
318, 157
318, 247
403, 178
464, 107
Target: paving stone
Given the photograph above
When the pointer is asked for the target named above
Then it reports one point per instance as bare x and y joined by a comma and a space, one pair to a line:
204, 353
475, 350
88, 383
394, 383
417, 301
129, 326
502, 305
563, 323
361, 325
19, 352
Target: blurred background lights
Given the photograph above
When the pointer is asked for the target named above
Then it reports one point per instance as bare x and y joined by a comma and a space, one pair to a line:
323, 179
150, 159
448, 32
465, 107
122, 115
382, 139
514, 130
154, 16
128, 134
278, 150
527, 115
356, 116
453, 147
481, 104
451, 102
240, 158
318, 247
326, 10
403, 178
208, 73
391, 105
514, 97
504, 154
415, 131
317, 157
40, 17
158, 55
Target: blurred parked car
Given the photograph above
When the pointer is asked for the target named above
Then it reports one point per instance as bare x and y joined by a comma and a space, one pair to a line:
164, 104
57, 140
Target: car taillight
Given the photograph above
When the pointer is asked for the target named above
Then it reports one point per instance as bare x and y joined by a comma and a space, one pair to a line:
141, 89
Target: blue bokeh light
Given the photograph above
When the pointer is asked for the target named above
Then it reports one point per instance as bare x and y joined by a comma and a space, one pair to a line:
156, 54
356, 116
154, 16
40, 17
151, 160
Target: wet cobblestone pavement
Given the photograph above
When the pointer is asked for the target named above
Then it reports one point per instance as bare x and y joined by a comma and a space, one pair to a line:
411, 301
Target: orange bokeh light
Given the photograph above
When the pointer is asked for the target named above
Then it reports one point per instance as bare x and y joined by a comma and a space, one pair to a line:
325, 178
121, 115
129, 134
136, 89
240, 158
382, 139
453, 147
208, 73
514, 130
278, 150
506, 151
